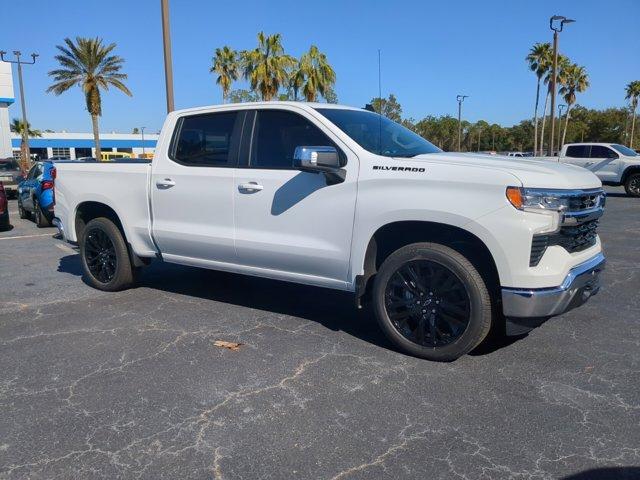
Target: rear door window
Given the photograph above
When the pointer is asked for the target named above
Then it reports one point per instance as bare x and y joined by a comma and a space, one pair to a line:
206, 140
578, 151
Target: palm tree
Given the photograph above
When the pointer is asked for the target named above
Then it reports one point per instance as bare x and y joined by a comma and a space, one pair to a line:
90, 65
225, 64
319, 75
17, 126
267, 67
575, 80
296, 79
539, 59
633, 93
563, 62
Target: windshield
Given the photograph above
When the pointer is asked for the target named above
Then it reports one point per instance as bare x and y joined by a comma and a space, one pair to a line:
377, 134
626, 151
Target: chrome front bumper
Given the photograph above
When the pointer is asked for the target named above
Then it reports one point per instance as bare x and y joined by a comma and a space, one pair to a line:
581, 283
58, 224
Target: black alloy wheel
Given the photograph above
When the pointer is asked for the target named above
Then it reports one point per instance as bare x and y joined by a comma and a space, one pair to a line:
100, 255
427, 303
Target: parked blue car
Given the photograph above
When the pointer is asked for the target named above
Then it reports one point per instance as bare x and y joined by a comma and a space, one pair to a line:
36, 195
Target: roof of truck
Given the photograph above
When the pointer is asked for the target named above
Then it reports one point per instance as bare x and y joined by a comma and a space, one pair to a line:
267, 104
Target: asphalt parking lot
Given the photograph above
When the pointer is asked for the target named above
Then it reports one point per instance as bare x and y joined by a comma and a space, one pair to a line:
131, 385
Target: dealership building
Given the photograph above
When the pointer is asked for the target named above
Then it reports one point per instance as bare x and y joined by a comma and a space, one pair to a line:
61, 144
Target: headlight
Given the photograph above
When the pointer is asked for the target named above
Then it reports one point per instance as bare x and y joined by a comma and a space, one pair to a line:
537, 198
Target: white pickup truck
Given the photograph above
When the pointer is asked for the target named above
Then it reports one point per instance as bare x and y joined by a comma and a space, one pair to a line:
614, 164
442, 246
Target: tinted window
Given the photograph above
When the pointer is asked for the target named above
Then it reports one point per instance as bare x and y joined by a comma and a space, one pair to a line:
378, 134
578, 151
600, 151
10, 165
278, 133
625, 150
205, 140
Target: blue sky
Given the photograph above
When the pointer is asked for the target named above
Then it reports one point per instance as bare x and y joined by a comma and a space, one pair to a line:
431, 51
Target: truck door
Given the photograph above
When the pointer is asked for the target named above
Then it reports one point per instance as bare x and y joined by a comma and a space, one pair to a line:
604, 162
192, 189
287, 221
577, 155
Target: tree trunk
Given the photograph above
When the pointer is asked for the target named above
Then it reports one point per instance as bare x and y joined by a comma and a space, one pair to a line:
633, 125
566, 125
544, 120
535, 120
96, 137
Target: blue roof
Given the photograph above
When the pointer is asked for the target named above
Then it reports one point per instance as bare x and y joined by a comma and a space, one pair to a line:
82, 143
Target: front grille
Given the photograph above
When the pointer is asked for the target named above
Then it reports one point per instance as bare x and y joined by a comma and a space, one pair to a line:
584, 210
586, 200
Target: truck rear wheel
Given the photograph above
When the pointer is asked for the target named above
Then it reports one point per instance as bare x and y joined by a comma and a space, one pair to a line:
105, 257
431, 302
632, 185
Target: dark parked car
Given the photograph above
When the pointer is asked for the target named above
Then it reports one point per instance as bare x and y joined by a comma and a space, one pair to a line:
10, 176
4, 209
36, 195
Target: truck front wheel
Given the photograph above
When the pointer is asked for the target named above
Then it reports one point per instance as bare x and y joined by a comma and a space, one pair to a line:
104, 255
632, 185
431, 302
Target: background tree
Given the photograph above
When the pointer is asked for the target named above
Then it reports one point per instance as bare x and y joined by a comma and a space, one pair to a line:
574, 80
389, 107
330, 95
243, 96
90, 65
539, 59
225, 64
633, 93
135, 131
267, 67
18, 126
563, 63
319, 76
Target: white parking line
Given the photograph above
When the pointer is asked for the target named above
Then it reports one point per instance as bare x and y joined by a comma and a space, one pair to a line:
65, 248
27, 236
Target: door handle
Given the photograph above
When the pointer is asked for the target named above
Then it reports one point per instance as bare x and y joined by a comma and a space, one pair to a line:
250, 187
166, 183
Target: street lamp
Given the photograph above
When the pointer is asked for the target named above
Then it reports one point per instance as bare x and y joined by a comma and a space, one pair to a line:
561, 107
556, 23
142, 131
166, 44
460, 99
25, 129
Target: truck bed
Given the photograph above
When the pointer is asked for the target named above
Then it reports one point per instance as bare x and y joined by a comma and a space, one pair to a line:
128, 181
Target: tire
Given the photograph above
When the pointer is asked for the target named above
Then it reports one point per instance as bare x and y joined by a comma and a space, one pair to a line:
38, 215
103, 246
442, 274
21, 211
632, 185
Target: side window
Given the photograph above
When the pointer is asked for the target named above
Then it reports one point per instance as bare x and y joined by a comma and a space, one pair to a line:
600, 151
278, 133
578, 151
33, 173
205, 140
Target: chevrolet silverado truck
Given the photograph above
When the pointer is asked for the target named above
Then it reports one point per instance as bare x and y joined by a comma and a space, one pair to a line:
439, 246
614, 164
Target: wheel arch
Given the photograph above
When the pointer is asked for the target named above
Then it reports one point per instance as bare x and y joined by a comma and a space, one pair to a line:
628, 171
390, 237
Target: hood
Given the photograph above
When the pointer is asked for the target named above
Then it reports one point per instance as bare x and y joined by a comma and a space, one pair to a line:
532, 173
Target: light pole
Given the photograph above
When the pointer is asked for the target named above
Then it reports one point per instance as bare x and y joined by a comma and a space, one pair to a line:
556, 29
25, 124
561, 107
460, 99
166, 43
142, 131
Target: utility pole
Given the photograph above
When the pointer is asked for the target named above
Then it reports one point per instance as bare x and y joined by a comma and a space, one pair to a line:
554, 72
561, 107
166, 42
25, 123
142, 130
460, 99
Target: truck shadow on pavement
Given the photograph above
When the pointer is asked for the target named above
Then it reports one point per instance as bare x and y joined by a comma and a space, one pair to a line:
333, 309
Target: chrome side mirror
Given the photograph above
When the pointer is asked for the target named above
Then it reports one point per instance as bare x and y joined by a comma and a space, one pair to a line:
316, 158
